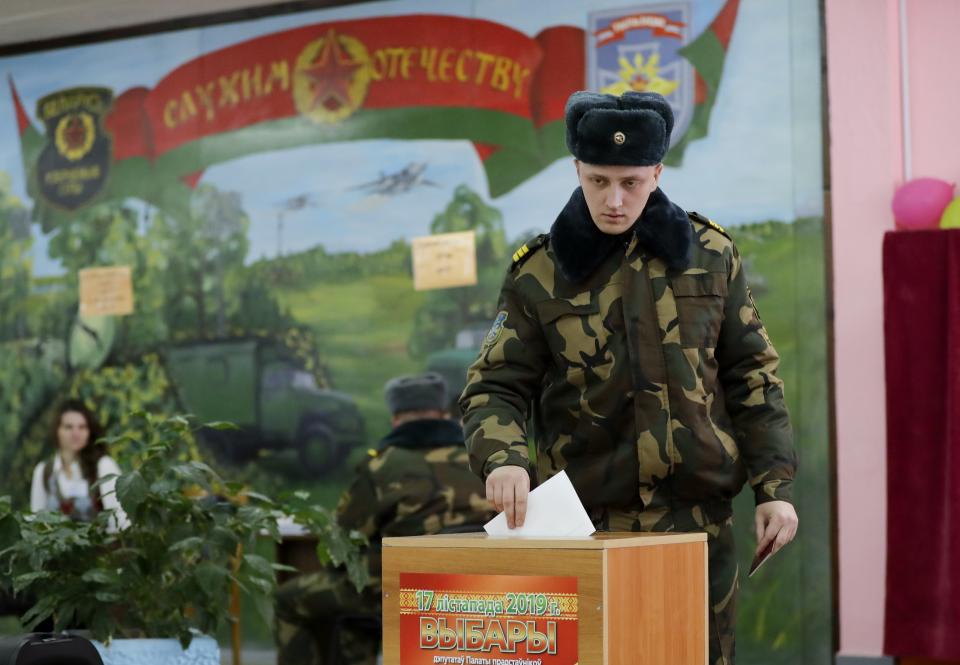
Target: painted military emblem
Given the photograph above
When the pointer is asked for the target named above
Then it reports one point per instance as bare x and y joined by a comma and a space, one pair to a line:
331, 78
73, 167
496, 330
638, 48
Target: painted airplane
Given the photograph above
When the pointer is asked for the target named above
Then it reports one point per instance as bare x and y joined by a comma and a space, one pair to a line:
298, 202
399, 182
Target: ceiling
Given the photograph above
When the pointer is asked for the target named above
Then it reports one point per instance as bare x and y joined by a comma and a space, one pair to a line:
32, 24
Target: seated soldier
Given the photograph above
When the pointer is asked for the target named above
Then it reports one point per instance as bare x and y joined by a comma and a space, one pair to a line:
417, 482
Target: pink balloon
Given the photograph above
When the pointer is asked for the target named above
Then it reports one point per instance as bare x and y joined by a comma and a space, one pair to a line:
919, 203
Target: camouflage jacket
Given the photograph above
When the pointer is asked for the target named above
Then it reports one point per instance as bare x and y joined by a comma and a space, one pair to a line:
418, 482
643, 366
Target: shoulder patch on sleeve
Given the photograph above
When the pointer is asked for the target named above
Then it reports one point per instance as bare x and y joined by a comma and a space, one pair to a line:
706, 221
496, 330
527, 250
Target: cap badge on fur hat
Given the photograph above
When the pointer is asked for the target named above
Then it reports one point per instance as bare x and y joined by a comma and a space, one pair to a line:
593, 119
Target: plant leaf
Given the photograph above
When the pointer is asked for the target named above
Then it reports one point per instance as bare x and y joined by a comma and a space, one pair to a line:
323, 553
205, 468
21, 582
210, 575
189, 473
259, 497
9, 531
99, 575
131, 491
264, 608
220, 425
358, 572
264, 586
102, 479
43, 609
260, 565
187, 543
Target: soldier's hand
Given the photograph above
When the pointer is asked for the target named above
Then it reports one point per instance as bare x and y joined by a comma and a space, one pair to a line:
775, 521
507, 490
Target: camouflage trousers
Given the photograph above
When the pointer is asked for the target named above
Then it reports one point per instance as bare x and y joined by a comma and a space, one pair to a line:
320, 618
723, 578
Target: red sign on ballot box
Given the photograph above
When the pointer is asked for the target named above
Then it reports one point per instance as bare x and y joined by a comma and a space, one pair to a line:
487, 619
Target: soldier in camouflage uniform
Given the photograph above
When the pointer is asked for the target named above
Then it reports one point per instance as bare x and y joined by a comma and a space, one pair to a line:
417, 482
628, 337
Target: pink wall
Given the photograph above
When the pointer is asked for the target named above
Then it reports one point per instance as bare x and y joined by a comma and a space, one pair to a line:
866, 161
934, 39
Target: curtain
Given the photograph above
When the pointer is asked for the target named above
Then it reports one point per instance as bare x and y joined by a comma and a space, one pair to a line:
921, 280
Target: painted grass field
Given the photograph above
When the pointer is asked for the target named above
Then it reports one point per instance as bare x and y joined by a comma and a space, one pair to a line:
784, 611
363, 328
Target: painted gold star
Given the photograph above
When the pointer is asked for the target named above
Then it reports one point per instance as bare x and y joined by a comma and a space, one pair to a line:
330, 74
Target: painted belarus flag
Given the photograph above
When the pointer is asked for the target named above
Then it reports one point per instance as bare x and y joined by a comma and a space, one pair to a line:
707, 54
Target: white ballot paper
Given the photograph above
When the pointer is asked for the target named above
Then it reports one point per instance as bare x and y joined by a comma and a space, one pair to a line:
553, 511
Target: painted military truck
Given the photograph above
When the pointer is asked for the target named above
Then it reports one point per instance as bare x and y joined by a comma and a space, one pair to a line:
452, 363
261, 387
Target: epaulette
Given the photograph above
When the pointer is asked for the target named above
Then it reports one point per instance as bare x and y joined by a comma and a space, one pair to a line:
527, 250
372, 452
697, 217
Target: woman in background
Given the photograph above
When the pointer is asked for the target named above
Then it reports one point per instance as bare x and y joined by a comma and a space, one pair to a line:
64, 481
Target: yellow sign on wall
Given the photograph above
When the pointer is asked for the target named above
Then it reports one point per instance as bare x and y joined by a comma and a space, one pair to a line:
106, 291
445, 260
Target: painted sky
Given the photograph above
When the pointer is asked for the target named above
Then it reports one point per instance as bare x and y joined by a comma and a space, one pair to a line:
761, 160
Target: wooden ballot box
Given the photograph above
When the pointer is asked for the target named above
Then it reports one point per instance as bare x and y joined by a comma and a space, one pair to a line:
606, 599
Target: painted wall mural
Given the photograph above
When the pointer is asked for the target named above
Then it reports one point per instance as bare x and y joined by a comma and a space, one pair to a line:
264, 181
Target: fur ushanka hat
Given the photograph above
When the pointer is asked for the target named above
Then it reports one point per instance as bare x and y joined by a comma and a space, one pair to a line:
630, 130
420, 392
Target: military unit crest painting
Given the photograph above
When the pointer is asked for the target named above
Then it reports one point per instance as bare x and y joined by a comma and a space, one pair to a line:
256, 188
74, 164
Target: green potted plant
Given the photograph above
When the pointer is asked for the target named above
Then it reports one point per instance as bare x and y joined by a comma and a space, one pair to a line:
170, 573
